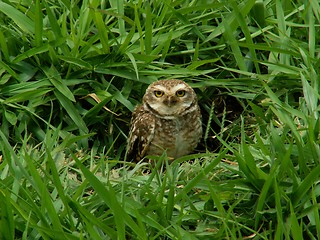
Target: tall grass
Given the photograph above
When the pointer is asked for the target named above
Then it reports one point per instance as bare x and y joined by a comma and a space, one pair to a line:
71, 72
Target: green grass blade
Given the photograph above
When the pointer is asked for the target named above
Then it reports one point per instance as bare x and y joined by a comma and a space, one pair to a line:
4, 47
109, 196
305, 185
54, 77
5, 66
25, 96
38, 21
6, 217
91, 220
294, 225
76, 61
148, 29
18, 17
228, 34
58, 185
103, 31
199, 177
31, 53
72, 112
45, 202
131, 57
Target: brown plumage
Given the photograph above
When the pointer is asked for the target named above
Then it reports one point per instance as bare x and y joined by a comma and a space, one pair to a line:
168, 119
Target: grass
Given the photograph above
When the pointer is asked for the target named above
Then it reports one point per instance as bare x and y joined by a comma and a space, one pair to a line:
71, 72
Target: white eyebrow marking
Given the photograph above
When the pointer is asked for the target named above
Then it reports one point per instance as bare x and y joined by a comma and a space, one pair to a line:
161, 88
177, 87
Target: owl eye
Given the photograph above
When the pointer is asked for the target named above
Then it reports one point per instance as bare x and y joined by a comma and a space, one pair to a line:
180, 93
158, 93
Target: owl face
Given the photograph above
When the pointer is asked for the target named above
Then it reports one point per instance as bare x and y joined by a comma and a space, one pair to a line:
169, 98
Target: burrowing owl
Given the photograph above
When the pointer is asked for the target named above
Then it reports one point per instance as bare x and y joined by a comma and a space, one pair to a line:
168, 119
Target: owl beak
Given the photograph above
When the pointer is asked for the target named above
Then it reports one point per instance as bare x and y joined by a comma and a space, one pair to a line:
170, 101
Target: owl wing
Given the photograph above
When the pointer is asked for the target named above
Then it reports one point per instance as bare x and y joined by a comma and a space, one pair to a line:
141, 134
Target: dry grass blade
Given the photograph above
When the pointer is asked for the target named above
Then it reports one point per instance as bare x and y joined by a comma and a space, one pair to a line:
97, 99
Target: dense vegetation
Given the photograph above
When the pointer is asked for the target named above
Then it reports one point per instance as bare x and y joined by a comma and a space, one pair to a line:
71, 72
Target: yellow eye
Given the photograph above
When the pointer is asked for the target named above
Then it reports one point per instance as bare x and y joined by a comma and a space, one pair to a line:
180, 93
158, 93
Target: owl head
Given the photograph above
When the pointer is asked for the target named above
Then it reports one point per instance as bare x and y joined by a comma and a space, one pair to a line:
169, 98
